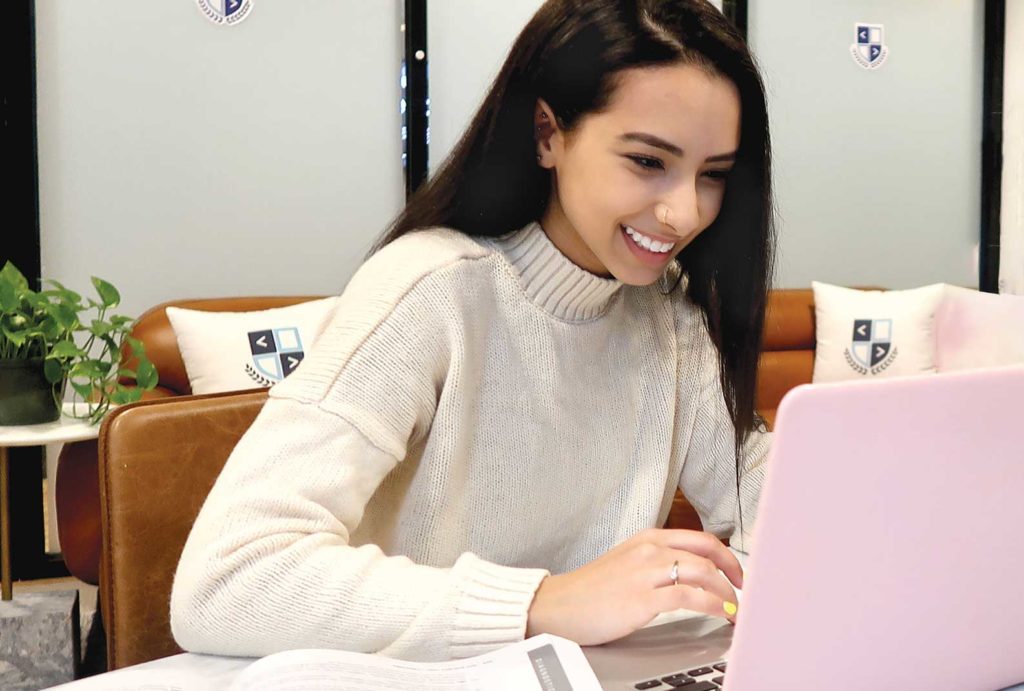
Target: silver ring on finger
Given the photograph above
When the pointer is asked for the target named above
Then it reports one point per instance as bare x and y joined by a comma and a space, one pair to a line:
674, 573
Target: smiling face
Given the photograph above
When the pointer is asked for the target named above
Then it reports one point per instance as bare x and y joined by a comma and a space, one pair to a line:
635, 183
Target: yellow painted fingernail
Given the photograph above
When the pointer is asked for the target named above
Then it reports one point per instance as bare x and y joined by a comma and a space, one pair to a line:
730, 608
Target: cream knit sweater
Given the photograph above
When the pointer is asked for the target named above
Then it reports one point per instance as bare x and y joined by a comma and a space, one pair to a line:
479, 413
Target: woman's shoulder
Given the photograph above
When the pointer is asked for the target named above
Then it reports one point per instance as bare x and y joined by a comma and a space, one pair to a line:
427, 250
398, 267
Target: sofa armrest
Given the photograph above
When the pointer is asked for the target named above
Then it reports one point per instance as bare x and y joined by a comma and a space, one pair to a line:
157, 462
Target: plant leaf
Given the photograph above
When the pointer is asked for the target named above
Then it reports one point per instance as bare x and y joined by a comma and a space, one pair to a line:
66, 349
119, 397
50, 329
62, 294
53, 370
17, 337
10, 275
86, 369
125, 394
9, 300
108, 293
83, 390
66, 316
101, 327
146, 375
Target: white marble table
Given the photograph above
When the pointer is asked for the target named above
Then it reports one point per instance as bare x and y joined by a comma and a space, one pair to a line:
65, 429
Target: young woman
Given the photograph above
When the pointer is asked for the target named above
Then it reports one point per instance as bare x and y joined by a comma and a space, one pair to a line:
560, 329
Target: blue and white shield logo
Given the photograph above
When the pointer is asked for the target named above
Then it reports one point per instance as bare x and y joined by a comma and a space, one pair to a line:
275, 354
871, 342
869, 49
226, 12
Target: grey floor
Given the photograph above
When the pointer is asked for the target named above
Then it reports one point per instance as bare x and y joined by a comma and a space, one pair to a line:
87, 610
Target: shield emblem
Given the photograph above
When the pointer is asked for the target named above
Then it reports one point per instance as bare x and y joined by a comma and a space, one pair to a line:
225, 12
871, 342
868, 47
276, 352
225, 8
869, 42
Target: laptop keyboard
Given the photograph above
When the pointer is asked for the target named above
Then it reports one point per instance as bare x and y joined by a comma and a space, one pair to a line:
696, 679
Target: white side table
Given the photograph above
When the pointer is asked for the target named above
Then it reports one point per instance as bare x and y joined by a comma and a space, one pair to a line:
66, 429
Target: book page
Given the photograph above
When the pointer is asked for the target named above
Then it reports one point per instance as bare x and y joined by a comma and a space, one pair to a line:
184, 672
541, 663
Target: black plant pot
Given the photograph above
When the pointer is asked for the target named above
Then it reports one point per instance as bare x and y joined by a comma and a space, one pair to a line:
26, 398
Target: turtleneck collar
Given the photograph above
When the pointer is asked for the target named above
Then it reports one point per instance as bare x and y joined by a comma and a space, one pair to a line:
552, 280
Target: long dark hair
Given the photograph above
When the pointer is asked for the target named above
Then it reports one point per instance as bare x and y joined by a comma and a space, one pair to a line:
569, 55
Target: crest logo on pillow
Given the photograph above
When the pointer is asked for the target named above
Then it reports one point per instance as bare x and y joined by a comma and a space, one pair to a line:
871, 348
275, 354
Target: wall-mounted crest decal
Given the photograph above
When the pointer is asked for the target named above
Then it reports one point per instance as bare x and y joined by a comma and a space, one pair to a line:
225, 12
869, 49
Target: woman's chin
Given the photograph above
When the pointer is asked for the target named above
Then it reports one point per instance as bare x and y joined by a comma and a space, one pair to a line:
637, 275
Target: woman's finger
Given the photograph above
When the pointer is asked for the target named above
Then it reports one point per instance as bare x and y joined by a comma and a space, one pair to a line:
687, 597
705, 545
694, 571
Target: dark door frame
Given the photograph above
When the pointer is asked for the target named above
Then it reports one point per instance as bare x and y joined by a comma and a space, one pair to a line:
992, 145
21, 245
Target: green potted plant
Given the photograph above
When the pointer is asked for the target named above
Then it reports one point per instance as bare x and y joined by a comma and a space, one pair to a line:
50, 339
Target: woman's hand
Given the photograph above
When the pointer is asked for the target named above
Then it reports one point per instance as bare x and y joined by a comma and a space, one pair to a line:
627, 587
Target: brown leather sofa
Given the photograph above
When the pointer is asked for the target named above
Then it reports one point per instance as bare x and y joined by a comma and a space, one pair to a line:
136, 501
153, 478
77, 492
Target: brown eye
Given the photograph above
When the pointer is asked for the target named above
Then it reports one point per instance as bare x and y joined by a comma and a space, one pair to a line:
718, 175
647, 162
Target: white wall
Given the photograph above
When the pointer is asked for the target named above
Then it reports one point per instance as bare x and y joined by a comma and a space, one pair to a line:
877, 172
1011, 231
467, 42
181, 159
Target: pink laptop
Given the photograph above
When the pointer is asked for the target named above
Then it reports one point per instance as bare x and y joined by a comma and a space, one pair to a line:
888, 552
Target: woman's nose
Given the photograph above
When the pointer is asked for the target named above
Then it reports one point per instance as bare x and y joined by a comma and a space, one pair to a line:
679, 211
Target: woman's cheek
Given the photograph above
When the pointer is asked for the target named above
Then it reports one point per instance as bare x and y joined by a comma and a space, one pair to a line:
714, 207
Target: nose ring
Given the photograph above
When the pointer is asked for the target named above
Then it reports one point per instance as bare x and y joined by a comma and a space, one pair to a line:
661, 212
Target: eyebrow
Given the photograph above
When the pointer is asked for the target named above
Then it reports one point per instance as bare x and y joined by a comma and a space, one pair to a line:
659, 143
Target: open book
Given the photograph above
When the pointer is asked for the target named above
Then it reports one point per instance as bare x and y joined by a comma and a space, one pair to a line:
540, 663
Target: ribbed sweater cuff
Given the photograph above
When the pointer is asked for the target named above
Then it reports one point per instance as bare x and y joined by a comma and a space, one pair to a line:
493, 606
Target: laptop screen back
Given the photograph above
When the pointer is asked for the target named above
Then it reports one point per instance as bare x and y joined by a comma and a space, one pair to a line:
889, 547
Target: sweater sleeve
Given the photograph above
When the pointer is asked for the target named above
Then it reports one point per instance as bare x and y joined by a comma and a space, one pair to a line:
708, 477
269, 566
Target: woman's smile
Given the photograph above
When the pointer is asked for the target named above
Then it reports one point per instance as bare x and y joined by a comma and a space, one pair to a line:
647, 248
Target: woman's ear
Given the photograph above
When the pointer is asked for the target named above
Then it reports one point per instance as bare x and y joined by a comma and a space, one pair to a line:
546, 133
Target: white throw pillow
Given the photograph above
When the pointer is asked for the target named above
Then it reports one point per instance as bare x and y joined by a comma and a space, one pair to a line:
230, 351
977, 330
864, 334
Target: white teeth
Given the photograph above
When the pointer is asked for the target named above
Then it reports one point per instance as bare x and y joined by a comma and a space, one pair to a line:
648, 243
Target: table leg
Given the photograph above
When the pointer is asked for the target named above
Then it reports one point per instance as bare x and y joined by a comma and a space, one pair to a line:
5, 529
